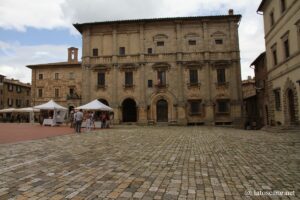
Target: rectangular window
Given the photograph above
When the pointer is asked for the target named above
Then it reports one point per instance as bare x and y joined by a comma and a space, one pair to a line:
71, 91
18, 88
277, 99
128, 79
28, 92
56, 76
272, 18
274, 53
40, 76
122, 51
195, 107
10, 87
95, 52
101, 79
10, 102
193, 76
219, 41
192, 42
283, 5
161, 78
286, 48
150, 83
40, 92
27, 103
160, 43
56, 91
221, 75
149, 50
223, 106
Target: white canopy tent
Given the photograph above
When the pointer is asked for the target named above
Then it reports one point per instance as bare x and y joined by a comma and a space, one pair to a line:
95, 105
59, 112
29, 110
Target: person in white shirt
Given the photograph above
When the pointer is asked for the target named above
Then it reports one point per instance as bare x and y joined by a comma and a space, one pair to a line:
78, 117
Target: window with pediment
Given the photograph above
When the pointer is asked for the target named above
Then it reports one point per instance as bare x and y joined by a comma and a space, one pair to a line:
218, 38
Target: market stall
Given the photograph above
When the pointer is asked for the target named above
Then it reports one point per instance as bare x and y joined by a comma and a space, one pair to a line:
56, 113
95, 106
29, 110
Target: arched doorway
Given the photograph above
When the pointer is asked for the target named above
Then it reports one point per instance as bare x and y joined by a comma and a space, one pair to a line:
129, 111
103, 101
291, 105
162, 111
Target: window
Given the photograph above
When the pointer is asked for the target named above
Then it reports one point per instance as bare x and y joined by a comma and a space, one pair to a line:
160, 43
56, 76
101, 79
71, 91
161, 78
283, 5
71, 75
149, 50
277, 99
219, 41
286, 48
193, 77
1, 79
40, 92
221, 75
129, 79
150, 83
272, 18
95, 52
18, 102
122, 51
28, 92
195, 107
40, 76
27, 103
10, 102
192, 42
274, 54
223, 106
18, 88
10, 87
56, 92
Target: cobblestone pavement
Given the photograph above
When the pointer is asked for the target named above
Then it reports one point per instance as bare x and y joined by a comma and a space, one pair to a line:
153, 163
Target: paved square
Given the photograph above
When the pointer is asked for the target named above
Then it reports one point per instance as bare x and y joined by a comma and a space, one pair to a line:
153, 163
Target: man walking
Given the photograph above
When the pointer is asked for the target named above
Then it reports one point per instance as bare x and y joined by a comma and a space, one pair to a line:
78, 117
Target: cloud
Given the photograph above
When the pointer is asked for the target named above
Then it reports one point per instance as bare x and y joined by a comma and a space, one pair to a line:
53, 14
15, 57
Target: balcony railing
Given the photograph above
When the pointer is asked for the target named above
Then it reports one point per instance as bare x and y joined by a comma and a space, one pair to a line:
73, 96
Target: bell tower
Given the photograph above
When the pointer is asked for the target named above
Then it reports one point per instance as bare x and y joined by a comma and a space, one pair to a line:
72, 55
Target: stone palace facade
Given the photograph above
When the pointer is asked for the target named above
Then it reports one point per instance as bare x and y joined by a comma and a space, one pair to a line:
183, 70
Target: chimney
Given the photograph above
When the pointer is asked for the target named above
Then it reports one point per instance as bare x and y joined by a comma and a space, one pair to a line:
249, 78
230, 12
72, 55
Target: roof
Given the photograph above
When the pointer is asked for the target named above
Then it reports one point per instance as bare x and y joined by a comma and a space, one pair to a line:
259, 58
16, 82
54, 64
261, 5
215, 17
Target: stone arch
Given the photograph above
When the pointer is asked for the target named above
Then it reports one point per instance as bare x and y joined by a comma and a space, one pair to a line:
129, 110
170, 102
104, 101
290, 103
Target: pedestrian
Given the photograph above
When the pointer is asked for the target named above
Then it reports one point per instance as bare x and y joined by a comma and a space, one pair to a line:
72, 118
103, 120
78, 120
88, 122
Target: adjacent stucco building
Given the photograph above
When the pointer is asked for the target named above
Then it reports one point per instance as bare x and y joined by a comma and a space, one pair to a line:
282, 40
183, 70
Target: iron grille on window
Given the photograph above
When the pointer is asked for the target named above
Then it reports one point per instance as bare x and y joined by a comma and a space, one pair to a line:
193, 76
95, 52
40, 92
128, 79
223, 106
101, 79
221, 75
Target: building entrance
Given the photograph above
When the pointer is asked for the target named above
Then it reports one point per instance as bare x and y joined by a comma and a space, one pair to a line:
291, 105
129, 110
162, 111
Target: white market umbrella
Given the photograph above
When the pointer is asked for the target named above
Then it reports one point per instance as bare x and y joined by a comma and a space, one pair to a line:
95, 105
8, 110
29, 109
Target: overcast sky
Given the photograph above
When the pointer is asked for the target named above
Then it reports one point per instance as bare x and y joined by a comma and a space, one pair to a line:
40, 31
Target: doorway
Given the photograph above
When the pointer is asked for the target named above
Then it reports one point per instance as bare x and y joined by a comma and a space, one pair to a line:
291, 106
129, 110
162, 111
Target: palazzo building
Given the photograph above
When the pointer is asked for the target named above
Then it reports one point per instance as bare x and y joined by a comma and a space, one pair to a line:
183, 70
60, 81
282, 40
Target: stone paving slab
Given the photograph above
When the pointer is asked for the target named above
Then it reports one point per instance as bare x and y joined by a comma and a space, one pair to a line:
153, 163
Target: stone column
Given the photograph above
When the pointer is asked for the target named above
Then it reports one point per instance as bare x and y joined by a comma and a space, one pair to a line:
142, 109
141, 43
86, 74
114, 44
115, 101
209, 86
